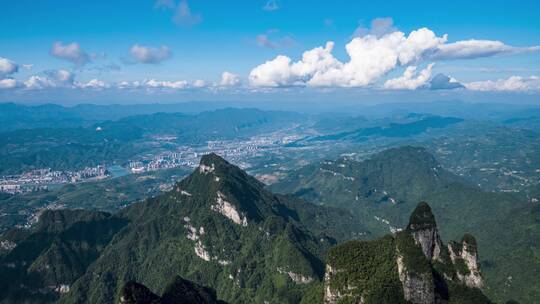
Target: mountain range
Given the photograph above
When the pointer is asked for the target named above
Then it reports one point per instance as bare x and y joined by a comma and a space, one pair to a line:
383, 189
220, 230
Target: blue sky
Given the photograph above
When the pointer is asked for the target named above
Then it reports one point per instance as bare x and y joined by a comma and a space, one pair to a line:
176, 50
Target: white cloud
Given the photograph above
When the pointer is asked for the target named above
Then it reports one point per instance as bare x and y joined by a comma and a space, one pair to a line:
71, 52
271, 5
95, 84
36, 82
372, 57
513, 83
469, 49
129, 85
410, 80
379, 28
444, 82
61, 77
183, 15
150, 55
229, 79
8, 67
8, 83
154, 84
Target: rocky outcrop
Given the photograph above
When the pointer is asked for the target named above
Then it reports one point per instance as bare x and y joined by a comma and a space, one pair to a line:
417, 289
409, 266
423, 228
228, 210
464, 256
331, 295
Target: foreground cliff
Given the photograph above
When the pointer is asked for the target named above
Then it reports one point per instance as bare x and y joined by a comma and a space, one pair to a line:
412, 266
178, 291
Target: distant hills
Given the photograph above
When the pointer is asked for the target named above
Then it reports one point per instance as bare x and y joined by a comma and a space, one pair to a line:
385, 188
70, 148
405, 129
219, 228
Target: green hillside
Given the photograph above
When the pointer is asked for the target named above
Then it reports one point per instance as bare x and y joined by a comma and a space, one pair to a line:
218, 226
383, 190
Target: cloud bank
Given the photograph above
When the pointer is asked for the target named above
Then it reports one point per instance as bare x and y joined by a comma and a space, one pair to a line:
511, 84
373, 53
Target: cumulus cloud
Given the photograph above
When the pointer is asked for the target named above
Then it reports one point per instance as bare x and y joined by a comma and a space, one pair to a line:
8, 67
71, 52
443, 82
37, 82
372, 56
513, 83
154, 84
8, 83
229, 79
271, 5
51, 79
95, 84
379, 27
410, 80
150, 55
61, 77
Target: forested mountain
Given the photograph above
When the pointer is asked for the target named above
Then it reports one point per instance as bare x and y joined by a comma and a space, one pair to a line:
384, 189
219, 228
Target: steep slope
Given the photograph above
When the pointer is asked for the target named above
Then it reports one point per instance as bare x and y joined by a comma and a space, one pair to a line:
385, 188
178, 291
219, 227
40, 264
411, 266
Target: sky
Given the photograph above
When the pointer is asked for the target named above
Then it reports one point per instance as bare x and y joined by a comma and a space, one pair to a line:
269, 50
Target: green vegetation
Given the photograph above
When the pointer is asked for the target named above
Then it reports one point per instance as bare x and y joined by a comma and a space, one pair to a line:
414, 260
107, 195
422, 218
56, 251
275, 258
370, 267
390, 183
368, 271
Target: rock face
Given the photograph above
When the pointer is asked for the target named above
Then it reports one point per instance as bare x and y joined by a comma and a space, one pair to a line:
411, 266
466, 254
416, 289
423, 228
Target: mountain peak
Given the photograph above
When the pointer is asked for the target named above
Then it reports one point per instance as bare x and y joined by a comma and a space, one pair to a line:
422, 218
213, 158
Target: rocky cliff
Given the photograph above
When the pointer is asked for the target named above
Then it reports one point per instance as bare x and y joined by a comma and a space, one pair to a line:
411, 266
